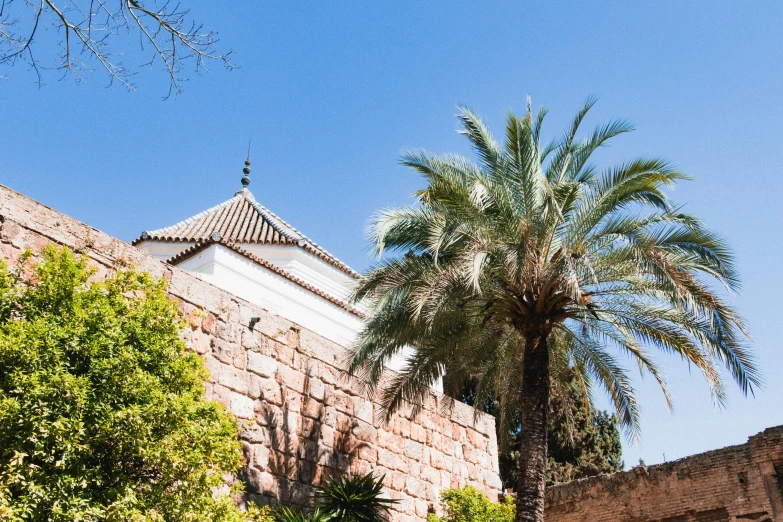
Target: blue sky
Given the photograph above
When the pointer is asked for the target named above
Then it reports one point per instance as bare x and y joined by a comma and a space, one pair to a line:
332, 92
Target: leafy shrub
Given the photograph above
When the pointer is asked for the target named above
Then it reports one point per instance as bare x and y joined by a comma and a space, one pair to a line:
257, 513
103, 412
470, 505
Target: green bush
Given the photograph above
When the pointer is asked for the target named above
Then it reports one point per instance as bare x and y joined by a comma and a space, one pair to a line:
102, 410
470, 505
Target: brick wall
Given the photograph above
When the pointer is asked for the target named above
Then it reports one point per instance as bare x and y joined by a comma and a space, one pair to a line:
299, 417
738, 484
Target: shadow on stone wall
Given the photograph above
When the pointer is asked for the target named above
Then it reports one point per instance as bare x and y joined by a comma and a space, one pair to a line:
289, 449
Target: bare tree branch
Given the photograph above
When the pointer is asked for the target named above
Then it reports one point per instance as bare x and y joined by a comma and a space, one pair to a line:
88, 29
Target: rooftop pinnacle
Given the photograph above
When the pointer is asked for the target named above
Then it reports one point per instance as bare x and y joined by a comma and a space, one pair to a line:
246, 171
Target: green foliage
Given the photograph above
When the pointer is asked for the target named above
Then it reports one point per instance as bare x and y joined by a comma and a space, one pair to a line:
354, 499
470, 505
257, 513
537, 238
102, 410
582, 442
287, 514
343, 499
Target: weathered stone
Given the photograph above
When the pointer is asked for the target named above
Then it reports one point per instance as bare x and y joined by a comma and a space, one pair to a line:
363, 410
199, 342
415, 487
223, 350
242, 406
261, 481
364, 432
234, 379
388, 459
312, 408
291, 378
368, 454
262, 365
327, 436
413, 450
316, 389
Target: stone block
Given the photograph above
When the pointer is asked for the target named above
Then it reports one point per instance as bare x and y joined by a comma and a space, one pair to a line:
291, 378
223, 350
292, 401
343, 403
413, 450
262, 365
364, 432
312, 408
363, 409
261, 457
316, 388
283, 353
199, 342
368, 453
327, 436
415, 487
234, 379
270, 391
262, 482
242, 406
430, 474
388, 459
421, 507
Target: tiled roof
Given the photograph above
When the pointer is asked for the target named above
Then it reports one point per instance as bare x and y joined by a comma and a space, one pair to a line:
198, 247
238, 220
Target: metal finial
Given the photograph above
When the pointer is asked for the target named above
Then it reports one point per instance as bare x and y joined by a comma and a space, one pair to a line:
246, 170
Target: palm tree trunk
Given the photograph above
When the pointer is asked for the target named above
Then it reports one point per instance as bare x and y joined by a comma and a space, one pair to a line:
534, 405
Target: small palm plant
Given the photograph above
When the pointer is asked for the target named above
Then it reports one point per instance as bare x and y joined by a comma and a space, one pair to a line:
532, 264
354, 499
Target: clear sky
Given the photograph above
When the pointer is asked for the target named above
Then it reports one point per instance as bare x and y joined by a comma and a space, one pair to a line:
331, 92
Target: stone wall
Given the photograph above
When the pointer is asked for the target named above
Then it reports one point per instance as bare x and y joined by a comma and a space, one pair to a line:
299, 417
738, 484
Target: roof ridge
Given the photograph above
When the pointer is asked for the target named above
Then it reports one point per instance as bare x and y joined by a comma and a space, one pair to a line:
302, 236
276, 221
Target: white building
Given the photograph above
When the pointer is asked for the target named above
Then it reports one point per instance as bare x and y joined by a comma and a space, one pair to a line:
244, 248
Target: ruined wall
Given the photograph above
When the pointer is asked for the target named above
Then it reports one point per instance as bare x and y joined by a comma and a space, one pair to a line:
735, 484
299, 419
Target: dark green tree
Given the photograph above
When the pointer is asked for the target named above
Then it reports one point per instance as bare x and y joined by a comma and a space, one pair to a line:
582, 441
103, 415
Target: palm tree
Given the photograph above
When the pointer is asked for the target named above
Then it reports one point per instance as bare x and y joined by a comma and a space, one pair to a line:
534, 263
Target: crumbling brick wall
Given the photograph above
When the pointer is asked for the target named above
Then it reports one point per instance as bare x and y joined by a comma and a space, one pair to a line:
741, 483
299, 417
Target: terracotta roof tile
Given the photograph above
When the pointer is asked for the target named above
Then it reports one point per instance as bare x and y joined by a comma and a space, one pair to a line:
238, 220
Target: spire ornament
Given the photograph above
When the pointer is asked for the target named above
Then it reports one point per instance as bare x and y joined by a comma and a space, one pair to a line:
246, 170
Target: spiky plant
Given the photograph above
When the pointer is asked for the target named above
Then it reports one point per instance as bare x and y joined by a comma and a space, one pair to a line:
533, 261
286, 514
354, 499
